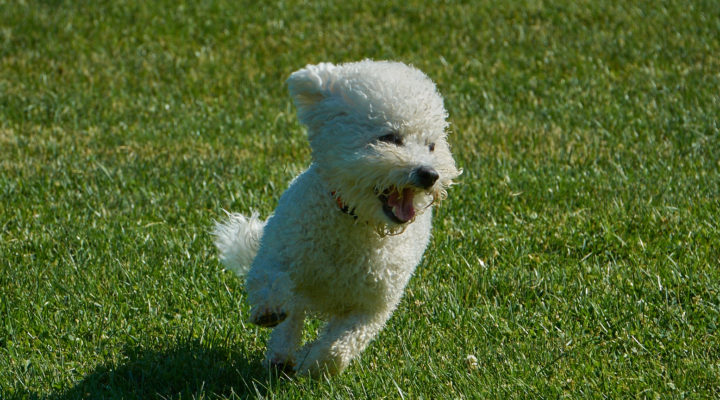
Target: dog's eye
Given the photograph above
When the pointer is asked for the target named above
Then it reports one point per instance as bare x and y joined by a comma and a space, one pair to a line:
431, 146
393, 138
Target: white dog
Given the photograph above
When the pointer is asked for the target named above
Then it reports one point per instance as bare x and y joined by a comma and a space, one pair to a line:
350, 230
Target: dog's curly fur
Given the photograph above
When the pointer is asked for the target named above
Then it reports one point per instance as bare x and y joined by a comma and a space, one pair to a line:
350, 230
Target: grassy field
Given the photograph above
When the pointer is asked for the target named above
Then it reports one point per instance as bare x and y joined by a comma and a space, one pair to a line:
578, 257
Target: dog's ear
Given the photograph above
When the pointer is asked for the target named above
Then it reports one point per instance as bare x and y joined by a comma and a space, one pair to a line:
309, 86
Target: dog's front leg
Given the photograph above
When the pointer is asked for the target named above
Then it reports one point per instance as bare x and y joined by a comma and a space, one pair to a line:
284, 341
342, 339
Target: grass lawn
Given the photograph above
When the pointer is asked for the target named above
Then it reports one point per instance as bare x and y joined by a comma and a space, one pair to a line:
578, 257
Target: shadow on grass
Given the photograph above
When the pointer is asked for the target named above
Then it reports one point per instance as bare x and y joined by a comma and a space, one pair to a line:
187, 370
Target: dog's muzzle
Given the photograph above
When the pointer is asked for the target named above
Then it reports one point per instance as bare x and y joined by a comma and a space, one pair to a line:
425, 177
398, 203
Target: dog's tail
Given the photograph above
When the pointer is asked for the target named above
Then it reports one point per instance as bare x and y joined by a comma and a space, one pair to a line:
238, 239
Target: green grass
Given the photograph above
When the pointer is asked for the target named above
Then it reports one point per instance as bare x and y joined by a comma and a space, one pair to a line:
578, 256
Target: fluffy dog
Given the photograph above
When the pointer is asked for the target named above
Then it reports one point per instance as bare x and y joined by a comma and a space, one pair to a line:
349, 231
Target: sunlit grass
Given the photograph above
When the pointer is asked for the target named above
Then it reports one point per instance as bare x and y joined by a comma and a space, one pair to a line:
577, 257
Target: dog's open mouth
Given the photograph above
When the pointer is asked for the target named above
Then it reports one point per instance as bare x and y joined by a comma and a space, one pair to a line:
398, 204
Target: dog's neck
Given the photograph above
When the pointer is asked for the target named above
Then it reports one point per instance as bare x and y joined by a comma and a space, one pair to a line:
342, 206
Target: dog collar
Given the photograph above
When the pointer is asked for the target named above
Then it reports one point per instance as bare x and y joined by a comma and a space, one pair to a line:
342, 206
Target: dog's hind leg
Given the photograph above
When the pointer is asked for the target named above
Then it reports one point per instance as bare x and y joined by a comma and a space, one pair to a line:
268, 292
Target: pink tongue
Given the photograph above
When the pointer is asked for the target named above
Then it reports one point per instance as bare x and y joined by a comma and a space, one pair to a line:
402, 204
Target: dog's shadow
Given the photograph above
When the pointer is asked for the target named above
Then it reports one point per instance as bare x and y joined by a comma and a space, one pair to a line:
186, 370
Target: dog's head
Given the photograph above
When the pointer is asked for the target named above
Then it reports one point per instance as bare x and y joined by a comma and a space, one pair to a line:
377, 132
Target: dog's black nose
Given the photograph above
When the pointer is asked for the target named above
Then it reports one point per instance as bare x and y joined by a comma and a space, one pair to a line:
426, 176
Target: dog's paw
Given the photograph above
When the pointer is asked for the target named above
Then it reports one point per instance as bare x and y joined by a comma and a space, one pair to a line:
267, 318
282, 364
318, 361
285, 367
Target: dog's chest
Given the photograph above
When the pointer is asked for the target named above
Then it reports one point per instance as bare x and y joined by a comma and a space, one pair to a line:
356, 269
